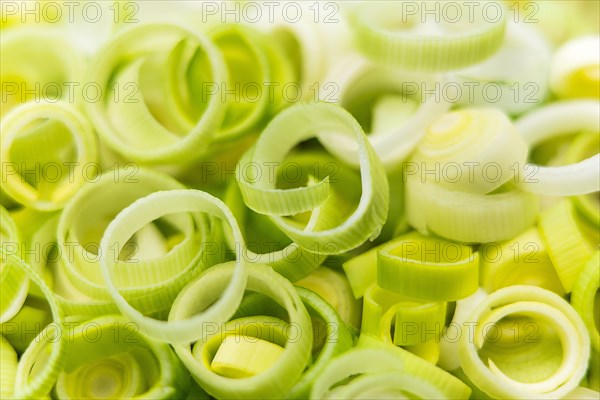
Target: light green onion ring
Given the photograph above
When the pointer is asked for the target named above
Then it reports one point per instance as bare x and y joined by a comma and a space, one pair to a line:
271, 383
461, 146
150, 281
109, 352
489, 218
428, 268
302, 122
146, 210
245, 52
337, 340
120, 123
550, 121
539, 304
57, 178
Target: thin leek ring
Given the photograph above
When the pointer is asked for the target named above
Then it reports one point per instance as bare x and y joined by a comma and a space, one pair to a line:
526, 299
83, 136
438, 280
548, 122
147, 209
304, 120
289, 366
134, 42
489, 218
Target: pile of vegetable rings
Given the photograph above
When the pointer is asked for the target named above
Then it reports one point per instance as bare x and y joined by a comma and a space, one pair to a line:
300, 199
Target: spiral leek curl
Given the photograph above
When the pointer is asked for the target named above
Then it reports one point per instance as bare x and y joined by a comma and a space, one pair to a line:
136, 216
300, 123
417, 325
8, 362
107, 357
166, 112
461, 146
497, 216
269, 381
244, 50
419, 44
335, 289
565, 117
151, 270
366, 372
41, 362
266, 242
538, 326
49, 146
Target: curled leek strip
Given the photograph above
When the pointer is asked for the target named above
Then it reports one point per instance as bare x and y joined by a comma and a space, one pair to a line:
450, 386
575, 68
413, 320
461, 146
361, 270
278, 377
428, 268
335, 289
401, 111
531, 322
449, 358
337, 339
47, 147
150, 272
8, 364
107, 357
290, 127
15, 283
393, 36
266, 243
550, 121
244, 50
41, 362
164, 120
22, 80
523, 260
376, 362
146, 210
584, 298
565, 238
514, 87
497, 216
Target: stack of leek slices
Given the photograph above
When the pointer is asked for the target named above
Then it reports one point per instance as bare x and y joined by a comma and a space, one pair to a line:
241, 200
